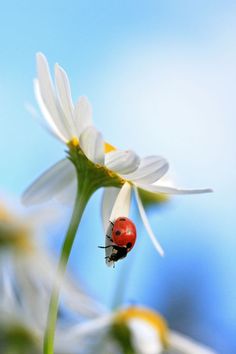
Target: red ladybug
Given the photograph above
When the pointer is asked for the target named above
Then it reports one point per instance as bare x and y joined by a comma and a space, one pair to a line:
123, 237
124, 233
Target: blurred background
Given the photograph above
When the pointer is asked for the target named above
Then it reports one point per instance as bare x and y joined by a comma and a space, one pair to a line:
161, 77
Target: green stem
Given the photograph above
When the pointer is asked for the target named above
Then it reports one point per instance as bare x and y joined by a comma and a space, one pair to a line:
84, 191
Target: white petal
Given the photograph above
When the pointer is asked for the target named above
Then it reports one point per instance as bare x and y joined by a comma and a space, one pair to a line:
92, 144
146, 223
48, 96
108, 244
171, 190
108, 199
89, 327
122, 161
185, 345
68, 194
51, 182
32, 110
82, 115
51, 122
151, 169
6, 287
34, 293
145, 337
121, 207
64, 95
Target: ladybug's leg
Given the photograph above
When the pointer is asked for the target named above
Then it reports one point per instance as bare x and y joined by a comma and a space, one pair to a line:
109, 238
105, 246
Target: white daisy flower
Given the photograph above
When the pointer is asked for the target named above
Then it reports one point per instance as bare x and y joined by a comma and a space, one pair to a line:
150, 334
136, 330
73, 125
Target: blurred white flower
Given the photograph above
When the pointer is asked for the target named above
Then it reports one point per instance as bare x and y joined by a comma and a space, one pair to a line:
27, 274
136, 330
118, 171
151, 335
22, 318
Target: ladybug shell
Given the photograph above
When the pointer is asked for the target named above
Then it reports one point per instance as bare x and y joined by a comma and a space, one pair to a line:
124, 233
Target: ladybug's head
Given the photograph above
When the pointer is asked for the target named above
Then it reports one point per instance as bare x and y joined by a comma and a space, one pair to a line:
118, 253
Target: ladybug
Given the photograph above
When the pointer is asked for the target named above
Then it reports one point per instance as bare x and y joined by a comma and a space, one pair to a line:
122, 237
124, 233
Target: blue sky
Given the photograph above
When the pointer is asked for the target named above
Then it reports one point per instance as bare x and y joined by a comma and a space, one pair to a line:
161, 78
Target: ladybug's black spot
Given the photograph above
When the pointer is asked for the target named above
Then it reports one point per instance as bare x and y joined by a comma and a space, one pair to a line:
129, 244
122, 219
118, 233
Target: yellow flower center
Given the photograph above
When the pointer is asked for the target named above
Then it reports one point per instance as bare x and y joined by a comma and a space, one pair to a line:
13, 232
3, 214
107, 147
74, 141
152, 318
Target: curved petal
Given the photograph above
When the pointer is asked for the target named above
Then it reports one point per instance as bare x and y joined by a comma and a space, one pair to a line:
82, 115
108, 199
145, 337
90, 327
44, 123
184, 344
146, 224
48, 96
6, 289
50, 183
121, 207
92, 144
108, 244
151, 169
171, 190
54, 128
68, 194
122, 161
64, 95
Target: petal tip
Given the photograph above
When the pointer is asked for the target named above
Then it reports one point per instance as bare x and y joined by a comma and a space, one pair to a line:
40, 57
58, 69
206, 190
84, 101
